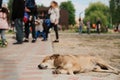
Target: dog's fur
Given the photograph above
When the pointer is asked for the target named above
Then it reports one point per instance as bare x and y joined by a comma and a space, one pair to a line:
71, 64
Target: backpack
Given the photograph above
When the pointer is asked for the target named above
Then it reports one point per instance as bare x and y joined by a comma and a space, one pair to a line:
26, 17
47, 22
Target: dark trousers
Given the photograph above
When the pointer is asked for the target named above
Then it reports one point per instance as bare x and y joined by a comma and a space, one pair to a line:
19, 30
98, 30
27, 28
55, 29
88, 30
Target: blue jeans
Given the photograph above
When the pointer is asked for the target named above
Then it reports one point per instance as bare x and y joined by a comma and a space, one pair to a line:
80, 29
19, 30
2, 32
43, 34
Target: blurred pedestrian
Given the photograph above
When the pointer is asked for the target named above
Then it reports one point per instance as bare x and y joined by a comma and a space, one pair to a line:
88, 27
40, 28
17, 16
119, 27
31, 9
54, 13
3, 25
46, 26
98, 24
80, 26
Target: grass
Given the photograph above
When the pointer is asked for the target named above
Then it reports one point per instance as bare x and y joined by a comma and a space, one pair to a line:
10, 32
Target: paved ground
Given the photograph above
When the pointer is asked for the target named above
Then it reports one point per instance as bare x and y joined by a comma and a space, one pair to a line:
19, 62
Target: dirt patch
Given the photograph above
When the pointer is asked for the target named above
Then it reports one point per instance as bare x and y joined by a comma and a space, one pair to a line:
105, 46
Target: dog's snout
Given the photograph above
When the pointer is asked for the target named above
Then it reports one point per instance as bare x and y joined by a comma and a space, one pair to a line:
42, 67
39, 66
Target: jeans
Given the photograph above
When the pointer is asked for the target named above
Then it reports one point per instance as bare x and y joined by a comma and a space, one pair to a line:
55, 29
43, 34
80, 29
2, 32
19, 30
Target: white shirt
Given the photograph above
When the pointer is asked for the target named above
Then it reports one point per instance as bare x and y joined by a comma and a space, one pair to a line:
40, 26
54, 15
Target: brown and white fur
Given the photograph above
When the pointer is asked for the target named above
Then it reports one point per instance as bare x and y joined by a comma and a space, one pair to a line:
71, 64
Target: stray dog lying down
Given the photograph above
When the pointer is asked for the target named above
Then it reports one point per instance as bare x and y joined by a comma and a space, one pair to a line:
72, 64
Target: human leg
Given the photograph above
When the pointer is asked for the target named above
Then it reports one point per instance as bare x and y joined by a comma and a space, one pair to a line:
19, 30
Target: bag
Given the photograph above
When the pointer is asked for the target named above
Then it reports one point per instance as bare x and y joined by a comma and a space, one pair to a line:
26, 17
47, 22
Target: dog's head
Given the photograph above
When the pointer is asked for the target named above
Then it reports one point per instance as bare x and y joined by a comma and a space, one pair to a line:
48, 62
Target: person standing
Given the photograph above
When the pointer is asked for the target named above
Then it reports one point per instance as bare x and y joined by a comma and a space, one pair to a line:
17, 16
3, 25
98, 24
31, 9
54, 13
88, 27
119, 27
80, 25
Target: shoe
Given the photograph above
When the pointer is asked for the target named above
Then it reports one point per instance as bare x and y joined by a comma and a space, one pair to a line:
34, 40
5, 43
44, 39
26, 41
17, 43
56, 41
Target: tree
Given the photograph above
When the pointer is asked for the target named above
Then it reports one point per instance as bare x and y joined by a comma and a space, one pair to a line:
96, 11
70, 8
42, 5
115, 11
10, 7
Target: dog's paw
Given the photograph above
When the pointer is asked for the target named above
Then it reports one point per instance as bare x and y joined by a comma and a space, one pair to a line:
117, 72
70, 73
56, 72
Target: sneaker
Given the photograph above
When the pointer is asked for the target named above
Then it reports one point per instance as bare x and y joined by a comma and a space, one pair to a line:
56, 41
26, 40
34, 40
44, 39
4, 44
17, 43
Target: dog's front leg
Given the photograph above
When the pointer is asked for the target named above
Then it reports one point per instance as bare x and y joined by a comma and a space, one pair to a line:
70, 72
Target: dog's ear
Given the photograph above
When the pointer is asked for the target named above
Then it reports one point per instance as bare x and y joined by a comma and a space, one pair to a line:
54, 56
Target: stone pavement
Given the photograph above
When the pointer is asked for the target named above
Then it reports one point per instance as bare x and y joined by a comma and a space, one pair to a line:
19, 62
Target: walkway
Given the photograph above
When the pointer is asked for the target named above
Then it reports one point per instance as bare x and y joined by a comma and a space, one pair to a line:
19, 62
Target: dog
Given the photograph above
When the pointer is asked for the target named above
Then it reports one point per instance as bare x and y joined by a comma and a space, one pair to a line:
72, 64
